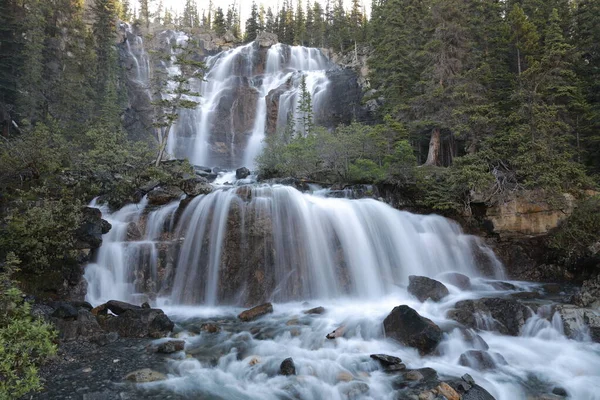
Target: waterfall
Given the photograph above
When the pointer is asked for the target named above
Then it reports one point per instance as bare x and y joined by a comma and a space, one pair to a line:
228, 127
281, 244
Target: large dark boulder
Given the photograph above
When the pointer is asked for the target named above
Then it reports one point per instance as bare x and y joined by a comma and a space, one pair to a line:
138, 323
424, 288
287, 367
160, 196
83, 327
90, 231
119, 307
196, 186
506, 316
256, 312
406, 326
242, 173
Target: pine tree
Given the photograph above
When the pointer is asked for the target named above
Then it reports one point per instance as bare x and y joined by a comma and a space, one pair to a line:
304, 122
309, 25
261, 18
252, 24
299, 26
320, 25
219, 22
524, 37
168, 19
145, 14
270, 25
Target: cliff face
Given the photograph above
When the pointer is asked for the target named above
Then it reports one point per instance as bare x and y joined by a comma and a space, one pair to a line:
249, 90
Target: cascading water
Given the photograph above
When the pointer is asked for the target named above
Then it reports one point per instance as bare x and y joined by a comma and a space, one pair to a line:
247, 91
201, 259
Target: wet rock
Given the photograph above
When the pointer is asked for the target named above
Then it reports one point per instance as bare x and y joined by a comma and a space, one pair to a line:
316, 310
481, 360
424, 288
83, 327
525, 295
144, 376
160, 196
580, 322
90, 231
459, 280
119, 307
171, 346
256, 312
242, 173
473, 339
196, 186
448, 392
476, 392
254, 361
390, 364
589, 296
559, 391
406, 326
498, 285
356, 390
287, 367
138, 323
506, 316
133, 232
339, 332
210, 328
551, 288
344, 377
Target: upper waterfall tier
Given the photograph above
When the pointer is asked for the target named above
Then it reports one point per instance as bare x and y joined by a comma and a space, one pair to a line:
249, 244
251, 91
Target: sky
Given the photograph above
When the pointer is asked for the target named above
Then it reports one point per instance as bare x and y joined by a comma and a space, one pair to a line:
246, 4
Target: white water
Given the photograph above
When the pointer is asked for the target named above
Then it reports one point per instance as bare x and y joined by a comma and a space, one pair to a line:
194, 135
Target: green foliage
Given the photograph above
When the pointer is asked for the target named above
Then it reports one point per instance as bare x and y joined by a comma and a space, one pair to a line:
574, 237
25, 342
41, 232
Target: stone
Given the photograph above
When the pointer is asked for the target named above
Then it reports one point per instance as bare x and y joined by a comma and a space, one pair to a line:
580, 322
83, 327
256, 312
242, 173
139, 323
339, 332
476, 392
160, 196
499, 285
100, 310
448, 392
481, 360
89, 233
287, 367
119, 307
254, 361
506, 316
144, 376
267, 39
409, 328
424, 288
344, 377
386, 360
210, 328
316, 310
589, 296
525, 295
196, 186
459, 280
65, 311
559, 391
551, 288
171, 346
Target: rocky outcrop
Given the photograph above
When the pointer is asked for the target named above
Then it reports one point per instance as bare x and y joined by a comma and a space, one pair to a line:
256, 312
589, 295
506, 316
160, 196
89, 234
196, 186
424, 288
406, 326
580, 323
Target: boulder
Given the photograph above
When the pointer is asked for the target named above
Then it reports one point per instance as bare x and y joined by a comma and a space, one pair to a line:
461, 281
424, 288
196, 186
210, 328
559, 391
589, 296
316, 310
476, 392
506, 316
90, 231
267, 39
389, 363
170, 346
242, 173
138, 323
160, 196
481, 360
65, 311
83, 327
256, 312
144, 376
287, 367
119, 307
579, 323
406, 326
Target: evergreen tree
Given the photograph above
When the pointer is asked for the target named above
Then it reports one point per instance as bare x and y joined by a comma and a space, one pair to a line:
219, 22
168, 19
270, 25
524, 37
145, 14
299, 26
309, 25
304, 110
252, 24
319, 26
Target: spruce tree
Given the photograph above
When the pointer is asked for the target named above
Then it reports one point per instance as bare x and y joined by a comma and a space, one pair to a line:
252, 24
304, 122
219, 22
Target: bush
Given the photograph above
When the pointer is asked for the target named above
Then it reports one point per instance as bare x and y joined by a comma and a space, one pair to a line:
25, 342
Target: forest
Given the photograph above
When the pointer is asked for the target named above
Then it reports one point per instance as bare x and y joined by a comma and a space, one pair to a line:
476, 100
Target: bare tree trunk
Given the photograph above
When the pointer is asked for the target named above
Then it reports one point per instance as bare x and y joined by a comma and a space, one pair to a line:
162, 145
435, 147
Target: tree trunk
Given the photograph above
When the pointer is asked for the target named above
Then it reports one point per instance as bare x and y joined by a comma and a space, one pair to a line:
435, 147
162, 145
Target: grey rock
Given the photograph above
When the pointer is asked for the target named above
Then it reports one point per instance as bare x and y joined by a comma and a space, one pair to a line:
287, 367
424, 288
409, 328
